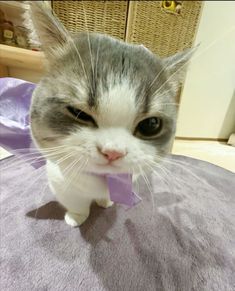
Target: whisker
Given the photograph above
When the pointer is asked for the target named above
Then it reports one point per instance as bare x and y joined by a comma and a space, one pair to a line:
36, 150
183, 166
89, 45
156, 78
71, 168
80, 58
149, 188
137, 181
194, 57
37, 157
21, 160
152, 168
97, 58
57, 163
42, 169
166, 173
170, 160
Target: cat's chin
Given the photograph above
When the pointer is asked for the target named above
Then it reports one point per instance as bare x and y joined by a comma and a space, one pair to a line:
107, 169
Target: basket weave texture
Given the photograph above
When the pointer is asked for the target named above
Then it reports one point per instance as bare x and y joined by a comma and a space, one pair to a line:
141, 22
163, 32
107, 17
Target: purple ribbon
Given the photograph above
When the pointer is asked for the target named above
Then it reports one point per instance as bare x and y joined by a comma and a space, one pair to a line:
15, 99
120, 189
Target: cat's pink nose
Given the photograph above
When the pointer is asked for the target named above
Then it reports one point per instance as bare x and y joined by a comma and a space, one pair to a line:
112, 155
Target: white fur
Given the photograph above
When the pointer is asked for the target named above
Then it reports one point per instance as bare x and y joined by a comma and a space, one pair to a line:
117, 105
77, 188
77, 193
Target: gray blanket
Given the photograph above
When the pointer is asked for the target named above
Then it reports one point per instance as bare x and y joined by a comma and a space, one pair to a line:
182, 237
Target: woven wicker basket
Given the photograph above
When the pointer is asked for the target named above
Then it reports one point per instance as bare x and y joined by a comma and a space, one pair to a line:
107, 17
142, 22
161, 31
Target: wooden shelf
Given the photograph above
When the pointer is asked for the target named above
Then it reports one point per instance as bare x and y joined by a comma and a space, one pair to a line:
14, 5
21, 58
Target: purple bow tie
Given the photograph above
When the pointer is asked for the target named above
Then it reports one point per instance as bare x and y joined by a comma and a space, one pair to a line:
120, 189
15, 98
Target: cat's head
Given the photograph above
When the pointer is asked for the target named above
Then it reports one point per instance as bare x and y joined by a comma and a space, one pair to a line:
103, 102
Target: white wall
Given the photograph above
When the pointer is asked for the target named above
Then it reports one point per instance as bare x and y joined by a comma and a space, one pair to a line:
207, 107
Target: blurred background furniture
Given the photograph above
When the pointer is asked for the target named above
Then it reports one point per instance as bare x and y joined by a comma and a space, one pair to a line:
164, 27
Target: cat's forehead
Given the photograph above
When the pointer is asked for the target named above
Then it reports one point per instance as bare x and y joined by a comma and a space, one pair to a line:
105, 69
97, 56
109, 78
117, 106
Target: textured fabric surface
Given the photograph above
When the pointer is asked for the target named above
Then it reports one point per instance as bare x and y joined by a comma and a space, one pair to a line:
179, 238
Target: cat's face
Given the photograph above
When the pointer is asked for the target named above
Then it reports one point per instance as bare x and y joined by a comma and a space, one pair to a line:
109, 105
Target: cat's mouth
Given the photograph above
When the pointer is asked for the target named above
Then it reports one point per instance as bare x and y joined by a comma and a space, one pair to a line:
108, 164
108, 167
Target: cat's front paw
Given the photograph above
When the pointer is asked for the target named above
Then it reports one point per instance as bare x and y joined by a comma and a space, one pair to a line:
105, 203
74, 219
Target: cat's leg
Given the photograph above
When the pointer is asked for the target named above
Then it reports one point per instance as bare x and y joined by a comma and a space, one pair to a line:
75, 219
78, 197
77, 211
105, 203
78, 208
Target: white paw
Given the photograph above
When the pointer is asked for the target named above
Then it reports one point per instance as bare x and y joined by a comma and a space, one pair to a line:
74, 219
105, 203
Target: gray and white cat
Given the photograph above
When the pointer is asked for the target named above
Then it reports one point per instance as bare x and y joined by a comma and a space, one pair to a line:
103, 106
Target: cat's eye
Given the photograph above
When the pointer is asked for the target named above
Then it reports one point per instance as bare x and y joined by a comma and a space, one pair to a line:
149, 127
81, 115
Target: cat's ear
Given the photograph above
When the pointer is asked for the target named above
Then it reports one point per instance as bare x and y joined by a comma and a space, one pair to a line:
45, 29
176, 65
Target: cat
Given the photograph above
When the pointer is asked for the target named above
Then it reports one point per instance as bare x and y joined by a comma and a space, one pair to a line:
103, 106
